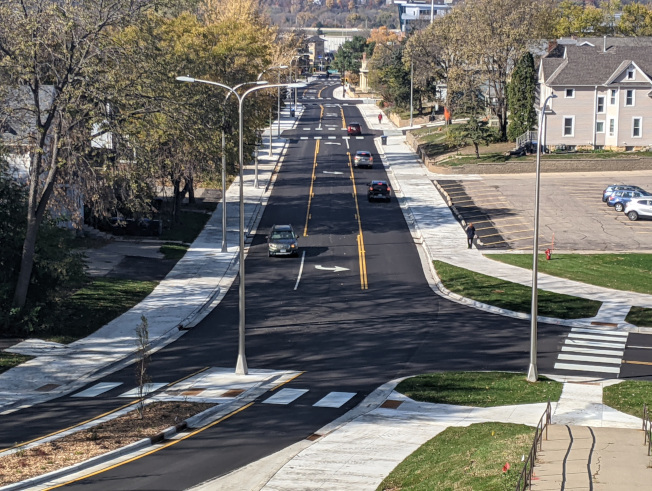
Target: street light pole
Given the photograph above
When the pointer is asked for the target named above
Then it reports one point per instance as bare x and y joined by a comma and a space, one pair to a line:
241, 363
532, 374
411, 90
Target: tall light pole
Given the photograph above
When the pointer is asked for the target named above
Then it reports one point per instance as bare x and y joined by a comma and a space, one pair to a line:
241, 363
278, 99
411, 90
224, 244
532, 374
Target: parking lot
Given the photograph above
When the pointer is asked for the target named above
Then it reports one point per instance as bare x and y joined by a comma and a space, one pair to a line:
572, 216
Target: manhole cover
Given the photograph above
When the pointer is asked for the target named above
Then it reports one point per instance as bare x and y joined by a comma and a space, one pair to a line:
391, 404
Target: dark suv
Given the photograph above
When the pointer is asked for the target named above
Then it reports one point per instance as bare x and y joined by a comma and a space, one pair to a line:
379, 190
282, 241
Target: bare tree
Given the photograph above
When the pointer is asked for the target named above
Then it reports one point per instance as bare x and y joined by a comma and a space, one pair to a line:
60, 45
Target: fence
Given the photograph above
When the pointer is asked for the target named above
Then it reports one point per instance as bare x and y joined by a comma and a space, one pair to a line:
647, 428
528, 469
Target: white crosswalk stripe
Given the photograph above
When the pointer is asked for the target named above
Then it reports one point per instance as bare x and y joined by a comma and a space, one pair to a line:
334, 399
97, 389
285, 396
592, 350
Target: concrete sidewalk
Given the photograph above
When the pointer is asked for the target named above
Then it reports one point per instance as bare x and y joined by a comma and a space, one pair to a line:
361, 448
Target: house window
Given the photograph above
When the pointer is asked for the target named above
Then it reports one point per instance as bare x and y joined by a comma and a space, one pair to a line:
612, 100
570, 93
600, 104
612, 127
599, 126
630, 74
629, 97
637, 124
569, 125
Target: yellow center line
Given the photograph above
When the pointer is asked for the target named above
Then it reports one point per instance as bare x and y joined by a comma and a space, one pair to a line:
343, 119
320, 91
312, 183
632, 362
154, 450
364, 285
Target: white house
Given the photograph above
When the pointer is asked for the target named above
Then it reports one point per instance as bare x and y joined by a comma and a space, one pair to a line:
604, 93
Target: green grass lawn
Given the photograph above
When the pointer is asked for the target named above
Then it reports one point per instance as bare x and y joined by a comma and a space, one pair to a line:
93, 306
629, 272
470, 458
512, 296
628, 396
174, 251
479, 389
10, 360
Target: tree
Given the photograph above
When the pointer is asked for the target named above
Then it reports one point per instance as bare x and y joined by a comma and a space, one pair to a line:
575, 19
521, 97
636, 20
62, 45
491, 35
388, 74
349, 56
473, 131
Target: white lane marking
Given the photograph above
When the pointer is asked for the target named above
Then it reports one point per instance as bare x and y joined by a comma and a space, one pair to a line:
148, 388
359, 137
595, 338
332, 143
335, 269
332, 137
592, 359
347, 143
97, 389
334, 399
303, 257
317, 137
285, 396
598, 331
595, 344
332, 172
586, 368
306, 129
304, 137
593, 351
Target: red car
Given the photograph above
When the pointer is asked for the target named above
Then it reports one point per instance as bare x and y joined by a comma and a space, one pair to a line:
354, 129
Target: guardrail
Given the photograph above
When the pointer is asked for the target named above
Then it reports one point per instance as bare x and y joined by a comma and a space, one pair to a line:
528, 469
647, 428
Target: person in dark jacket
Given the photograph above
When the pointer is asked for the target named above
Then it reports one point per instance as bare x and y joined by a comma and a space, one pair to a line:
470, 233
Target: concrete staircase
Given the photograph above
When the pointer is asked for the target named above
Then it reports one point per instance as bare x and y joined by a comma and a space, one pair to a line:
592, 459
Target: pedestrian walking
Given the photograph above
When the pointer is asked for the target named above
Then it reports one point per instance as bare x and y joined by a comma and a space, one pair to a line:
470, 233
380, 118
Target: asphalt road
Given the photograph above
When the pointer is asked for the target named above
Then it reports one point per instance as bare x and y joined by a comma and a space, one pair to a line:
349, 331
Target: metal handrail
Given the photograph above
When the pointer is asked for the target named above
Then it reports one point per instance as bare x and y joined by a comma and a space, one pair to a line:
528, 468
647, 428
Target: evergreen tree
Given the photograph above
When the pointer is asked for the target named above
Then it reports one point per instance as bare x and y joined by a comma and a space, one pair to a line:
521, 97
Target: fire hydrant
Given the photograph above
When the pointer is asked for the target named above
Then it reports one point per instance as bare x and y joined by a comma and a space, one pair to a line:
548, 254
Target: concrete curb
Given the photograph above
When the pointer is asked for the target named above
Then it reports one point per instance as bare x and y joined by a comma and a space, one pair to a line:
438, 286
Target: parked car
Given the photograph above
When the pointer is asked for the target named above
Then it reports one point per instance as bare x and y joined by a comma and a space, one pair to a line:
609, 190
354, 129
619, 199
379, 190
637, 208
363, 158
282, 241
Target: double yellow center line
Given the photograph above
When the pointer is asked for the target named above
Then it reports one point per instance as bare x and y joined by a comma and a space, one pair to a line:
362, 259
312, 185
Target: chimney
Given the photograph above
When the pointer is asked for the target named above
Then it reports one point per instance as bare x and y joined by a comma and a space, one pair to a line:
552, 45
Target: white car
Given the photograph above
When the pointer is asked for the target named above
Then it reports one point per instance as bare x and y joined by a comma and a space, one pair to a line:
363, 158
639, 207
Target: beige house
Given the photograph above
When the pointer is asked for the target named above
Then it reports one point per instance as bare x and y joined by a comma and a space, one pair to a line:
603, 89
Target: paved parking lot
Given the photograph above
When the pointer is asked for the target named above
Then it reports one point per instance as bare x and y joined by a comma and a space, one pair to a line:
571, 212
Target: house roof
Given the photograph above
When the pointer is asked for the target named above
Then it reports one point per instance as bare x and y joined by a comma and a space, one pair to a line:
586, 62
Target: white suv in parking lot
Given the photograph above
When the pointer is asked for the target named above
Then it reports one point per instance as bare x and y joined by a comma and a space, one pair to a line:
640, 207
